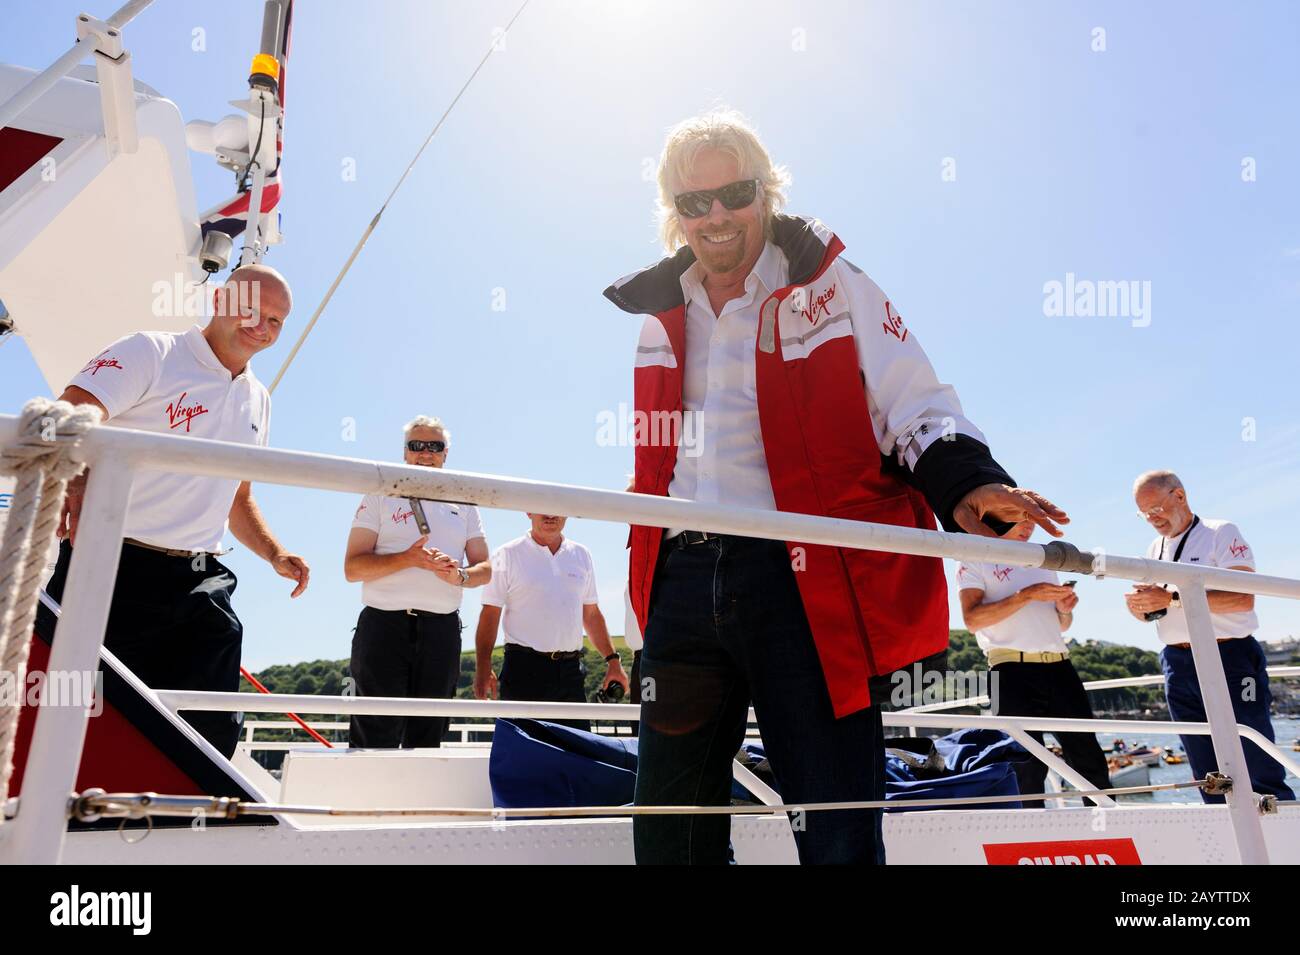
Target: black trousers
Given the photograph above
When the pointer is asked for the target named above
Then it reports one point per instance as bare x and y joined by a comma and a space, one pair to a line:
727, 628
172, 624
399, 654
1050, 689
526, 675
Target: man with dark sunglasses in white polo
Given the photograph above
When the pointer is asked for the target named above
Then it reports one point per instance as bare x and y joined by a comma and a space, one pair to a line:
813, 397
1185, 537
414, 559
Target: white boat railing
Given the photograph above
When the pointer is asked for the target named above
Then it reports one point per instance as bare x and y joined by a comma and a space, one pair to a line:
1154, 679
115, 455
1018, 727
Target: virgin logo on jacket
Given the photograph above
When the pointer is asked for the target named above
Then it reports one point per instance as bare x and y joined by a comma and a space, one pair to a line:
179, 413
820, 306
893, 325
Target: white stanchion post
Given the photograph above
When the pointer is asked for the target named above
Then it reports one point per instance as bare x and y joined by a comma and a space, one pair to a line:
39, 829
1228, 752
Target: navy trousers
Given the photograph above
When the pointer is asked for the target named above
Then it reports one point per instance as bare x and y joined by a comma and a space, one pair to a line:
727, 628
1244, 667
395, 653
172, 624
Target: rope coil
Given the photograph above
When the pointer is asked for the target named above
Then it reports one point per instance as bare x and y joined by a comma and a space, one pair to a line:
41, 460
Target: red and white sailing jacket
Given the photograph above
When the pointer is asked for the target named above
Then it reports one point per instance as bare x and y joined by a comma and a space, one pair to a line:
856, 427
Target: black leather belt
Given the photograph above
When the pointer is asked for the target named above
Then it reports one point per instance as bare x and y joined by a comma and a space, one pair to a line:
549, 654
413, 612
687, 538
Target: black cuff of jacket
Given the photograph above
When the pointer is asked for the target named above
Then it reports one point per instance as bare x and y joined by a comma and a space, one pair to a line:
951, 468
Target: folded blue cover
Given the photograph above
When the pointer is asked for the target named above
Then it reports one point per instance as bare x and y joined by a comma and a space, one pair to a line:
535, 764
539, 764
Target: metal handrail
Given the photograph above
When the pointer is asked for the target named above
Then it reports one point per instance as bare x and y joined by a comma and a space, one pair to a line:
44, 81
1154, 679
176, 700
116, 454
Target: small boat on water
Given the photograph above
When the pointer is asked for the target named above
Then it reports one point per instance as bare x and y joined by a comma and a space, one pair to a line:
1125, 771
1146, 755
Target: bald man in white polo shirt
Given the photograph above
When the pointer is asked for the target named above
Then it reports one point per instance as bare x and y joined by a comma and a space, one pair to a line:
1183, 537
1018, 615
409, 555
543, 595
171, 620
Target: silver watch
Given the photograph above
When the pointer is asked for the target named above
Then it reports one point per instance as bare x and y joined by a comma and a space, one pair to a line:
464, 575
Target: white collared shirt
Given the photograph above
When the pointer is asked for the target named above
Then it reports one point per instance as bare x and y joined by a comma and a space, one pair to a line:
631, 628
1034, 628
451, 527
1211, 543
542, 594
721, 451
172, 383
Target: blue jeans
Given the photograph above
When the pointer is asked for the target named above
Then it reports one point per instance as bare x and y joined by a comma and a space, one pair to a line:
1243, 665
727, 627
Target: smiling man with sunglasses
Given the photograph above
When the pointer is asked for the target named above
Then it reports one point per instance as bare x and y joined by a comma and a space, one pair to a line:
409, 555
813, 397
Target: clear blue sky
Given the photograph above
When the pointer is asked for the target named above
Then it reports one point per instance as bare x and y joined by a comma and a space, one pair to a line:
1117, 165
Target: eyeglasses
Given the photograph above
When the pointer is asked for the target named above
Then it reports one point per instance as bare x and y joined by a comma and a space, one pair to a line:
1159, 509
437, 447
733, 196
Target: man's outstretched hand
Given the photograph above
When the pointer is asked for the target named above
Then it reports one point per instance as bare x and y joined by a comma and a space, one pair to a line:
1010, 504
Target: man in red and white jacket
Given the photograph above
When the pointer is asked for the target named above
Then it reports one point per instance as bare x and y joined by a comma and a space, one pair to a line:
773, 374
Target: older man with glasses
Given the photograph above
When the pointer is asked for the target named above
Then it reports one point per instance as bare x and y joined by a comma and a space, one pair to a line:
409, 555
813, 397
1186, 537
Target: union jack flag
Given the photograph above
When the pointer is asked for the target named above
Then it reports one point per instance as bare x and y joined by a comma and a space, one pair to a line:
230, 216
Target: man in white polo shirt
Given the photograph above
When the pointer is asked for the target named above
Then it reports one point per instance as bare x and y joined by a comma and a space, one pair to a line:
409, 556
543, 594
1018, 615
171, 620
1162, 502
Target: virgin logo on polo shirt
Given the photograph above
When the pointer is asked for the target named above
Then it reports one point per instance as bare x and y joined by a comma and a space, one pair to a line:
1001, 573
401, 517
1237, 548
95, 364
179, 413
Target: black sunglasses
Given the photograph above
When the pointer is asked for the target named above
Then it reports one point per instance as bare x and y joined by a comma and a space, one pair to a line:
733, 196
437, 447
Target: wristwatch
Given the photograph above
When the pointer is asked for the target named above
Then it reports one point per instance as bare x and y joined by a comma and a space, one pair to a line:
1175, 600
464, 575
612, 657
